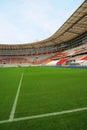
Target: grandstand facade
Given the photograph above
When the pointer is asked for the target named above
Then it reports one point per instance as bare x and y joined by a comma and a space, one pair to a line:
68, 46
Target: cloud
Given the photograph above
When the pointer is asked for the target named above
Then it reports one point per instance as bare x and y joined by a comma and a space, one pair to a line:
9, 32
39, 18
24, 21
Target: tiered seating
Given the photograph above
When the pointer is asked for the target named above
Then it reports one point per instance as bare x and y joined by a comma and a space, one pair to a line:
52, 63
61, 62
67, 57
13, 60
75, 57
84, 58
80, 60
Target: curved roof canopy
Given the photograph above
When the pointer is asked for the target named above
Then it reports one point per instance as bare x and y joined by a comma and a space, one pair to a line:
73, 27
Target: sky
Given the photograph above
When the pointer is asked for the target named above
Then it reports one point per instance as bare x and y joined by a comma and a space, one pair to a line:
27, 21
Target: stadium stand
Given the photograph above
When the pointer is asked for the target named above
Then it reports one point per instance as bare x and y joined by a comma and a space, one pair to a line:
62, 48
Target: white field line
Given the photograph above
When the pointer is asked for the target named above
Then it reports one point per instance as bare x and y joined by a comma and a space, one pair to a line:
44, 115
11, 117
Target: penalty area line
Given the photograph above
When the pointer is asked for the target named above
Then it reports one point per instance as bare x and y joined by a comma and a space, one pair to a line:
11, 117
44, 115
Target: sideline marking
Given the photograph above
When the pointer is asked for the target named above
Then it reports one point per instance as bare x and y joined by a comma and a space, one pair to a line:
44, 115
11, 117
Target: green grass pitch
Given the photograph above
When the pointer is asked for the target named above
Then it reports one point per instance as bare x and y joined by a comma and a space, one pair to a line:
44, 90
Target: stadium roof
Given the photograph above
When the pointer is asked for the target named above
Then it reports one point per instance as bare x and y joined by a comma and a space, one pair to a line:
73, 27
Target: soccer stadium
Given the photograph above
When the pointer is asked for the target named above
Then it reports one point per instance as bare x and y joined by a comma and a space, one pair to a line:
43, 85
